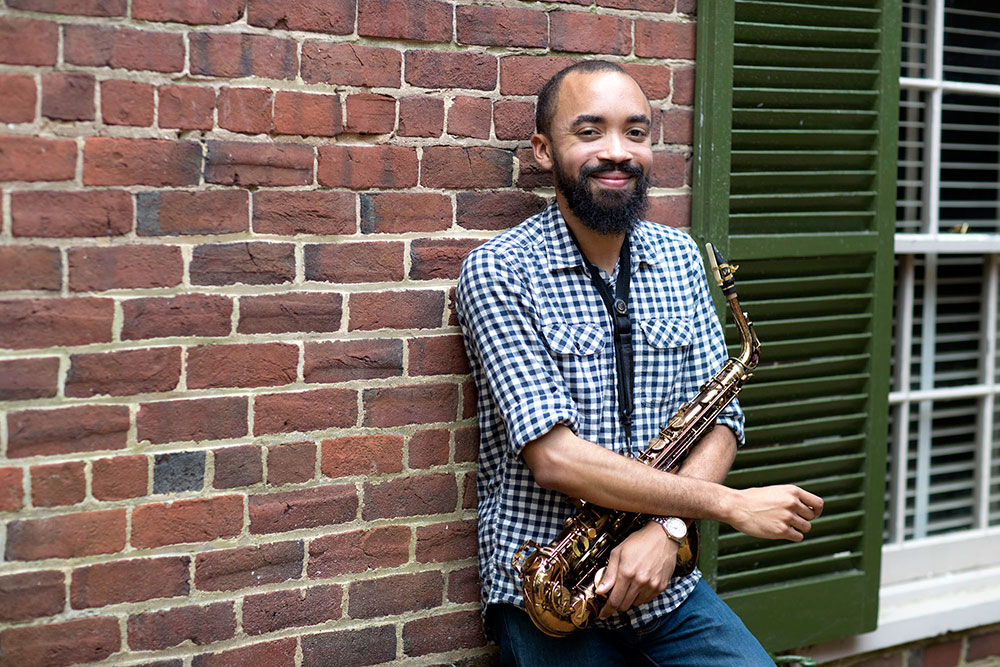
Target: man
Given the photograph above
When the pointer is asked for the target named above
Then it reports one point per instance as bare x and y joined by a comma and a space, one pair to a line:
541, 343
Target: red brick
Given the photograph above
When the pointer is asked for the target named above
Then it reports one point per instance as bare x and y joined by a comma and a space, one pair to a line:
362, 455
68, 96
358, 551
669, 169
120, 477
246, 567
185, 11
393, 213
428, 448
98, 213
439, 258
683, 85
29, 268
332, 16
415, 404
19, 93
30, 323
132, 580
307, 114
95, 269
58, 484
420, 117
362, 167
66, 430
350, 64
266, 365
461, 629
28, 41
982, 646
11, 489
195, 520
368, 113
278, 653
58, 644
467, 444
291, 463
156, 162
184, 315
245, 110
451, 69
22, 379
347, 360
947, 654
463, 585
253, 263
466, 167
470, 117
419, 20
170, 627
305, 411
361, 262
197, 419
269, 612
82, 7
410, 496
127, 103
123, 48
186, 107
442, 542
235, 55
665, 39
409, 309
495, 210
500, 26
653, 79
674, 211
387, 596
66, 535
525, 75
584, 32
365, 646
437, 355
678, 126
663, 6
298, 212
177, 212
31, 595
244, 163
36, 159
317, 506
237, 466
290, 311
513, 119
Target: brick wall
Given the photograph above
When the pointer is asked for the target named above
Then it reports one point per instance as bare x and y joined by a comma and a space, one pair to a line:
235, 420
978, 647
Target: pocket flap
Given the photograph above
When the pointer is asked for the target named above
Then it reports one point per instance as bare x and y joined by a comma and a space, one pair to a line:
581, 339
665, 334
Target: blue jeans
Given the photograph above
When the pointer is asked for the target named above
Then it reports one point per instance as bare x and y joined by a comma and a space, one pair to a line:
702, 632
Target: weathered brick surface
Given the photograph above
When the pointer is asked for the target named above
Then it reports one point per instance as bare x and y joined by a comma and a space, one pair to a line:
120, 477
57, 484
437, 355
19, 93
350, 64
66, 535
444, 542
99, 213
439, 258
155, 162
396, 406
197, 419
305, 411
186, 315
368, 646
199, 625
31, 595
131, 580
459, 167
470, 117
68, 96
295, 311
234, 55
245, 164
127, 103
461, 629
184, 11
237, 466
343, 361
368, 113
335, 17
269, 612
362, 455
123, 48
358, 551
197, 520
58, 644
428, 448
451, 69
308, 508
420, 117
22, 379
500, 26
246, 263
125, 267
290, 213
278, 653
390, 212
26, 41
395, 595
245, 567
410, 309
124, 373
25, 158
584, 32
291, 463
367, 167
186, 107
270, 364
410, 496
65, 430
307, 114
11, 489
365, 262
246, 110
176, 212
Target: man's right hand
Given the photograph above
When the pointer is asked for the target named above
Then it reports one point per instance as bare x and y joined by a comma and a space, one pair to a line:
774, 512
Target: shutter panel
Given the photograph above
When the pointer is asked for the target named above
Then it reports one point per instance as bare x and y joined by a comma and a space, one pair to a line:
794, 177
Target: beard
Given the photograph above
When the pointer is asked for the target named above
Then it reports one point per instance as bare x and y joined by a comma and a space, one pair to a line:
608, 211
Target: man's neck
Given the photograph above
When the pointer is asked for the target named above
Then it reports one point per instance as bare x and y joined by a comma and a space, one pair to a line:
601, 250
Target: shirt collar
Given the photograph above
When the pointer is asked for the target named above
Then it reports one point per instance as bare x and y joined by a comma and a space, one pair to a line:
562, 253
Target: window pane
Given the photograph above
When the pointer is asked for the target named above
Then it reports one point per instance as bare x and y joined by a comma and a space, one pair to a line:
916, 18
994, 519
972, 41
911, 158
970, 163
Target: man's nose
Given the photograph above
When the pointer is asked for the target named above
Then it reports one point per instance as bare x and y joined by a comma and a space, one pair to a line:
614, 148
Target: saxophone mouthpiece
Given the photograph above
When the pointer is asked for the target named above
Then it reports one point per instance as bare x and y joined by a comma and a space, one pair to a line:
722, 269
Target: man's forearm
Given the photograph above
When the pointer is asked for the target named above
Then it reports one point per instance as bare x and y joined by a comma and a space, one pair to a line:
712, 456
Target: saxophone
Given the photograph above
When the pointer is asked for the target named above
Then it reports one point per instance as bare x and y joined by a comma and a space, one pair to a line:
559, 580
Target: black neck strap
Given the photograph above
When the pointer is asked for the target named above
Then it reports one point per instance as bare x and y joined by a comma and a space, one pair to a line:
617, 306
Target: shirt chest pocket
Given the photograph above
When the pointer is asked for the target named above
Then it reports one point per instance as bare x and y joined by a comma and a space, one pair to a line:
578, 350
661, 351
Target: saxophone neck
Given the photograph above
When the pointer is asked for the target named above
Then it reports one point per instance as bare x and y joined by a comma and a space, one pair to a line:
724, 272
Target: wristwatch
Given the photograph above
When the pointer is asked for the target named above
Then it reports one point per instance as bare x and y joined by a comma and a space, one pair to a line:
675, 528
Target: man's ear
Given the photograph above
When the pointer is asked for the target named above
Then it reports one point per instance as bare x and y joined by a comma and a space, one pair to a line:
541, 146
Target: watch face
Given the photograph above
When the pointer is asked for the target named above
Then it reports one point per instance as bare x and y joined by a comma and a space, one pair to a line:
676, 528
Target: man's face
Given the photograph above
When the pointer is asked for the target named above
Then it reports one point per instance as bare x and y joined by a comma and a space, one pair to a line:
600, 149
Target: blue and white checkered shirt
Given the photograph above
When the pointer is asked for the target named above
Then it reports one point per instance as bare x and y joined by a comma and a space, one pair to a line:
539, 341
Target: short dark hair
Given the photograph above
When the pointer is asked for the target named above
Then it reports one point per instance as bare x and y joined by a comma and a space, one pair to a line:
545, 109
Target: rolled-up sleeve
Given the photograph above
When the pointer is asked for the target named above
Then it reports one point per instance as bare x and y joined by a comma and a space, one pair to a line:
505, 346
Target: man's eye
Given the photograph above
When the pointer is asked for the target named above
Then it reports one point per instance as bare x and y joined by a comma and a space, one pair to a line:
638, 133
587, 132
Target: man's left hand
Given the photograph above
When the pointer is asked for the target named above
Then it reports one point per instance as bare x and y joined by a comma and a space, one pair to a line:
638, 569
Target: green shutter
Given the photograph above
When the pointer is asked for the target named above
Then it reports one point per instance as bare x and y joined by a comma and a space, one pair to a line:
795, 182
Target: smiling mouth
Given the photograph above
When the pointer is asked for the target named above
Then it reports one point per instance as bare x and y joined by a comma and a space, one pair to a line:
612, 179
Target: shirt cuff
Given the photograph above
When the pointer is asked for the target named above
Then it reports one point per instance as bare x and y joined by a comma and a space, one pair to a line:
526, 423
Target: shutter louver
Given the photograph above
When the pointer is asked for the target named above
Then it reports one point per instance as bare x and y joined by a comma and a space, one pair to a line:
805, 201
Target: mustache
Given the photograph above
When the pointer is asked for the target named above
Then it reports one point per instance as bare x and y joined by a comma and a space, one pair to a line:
625, 167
